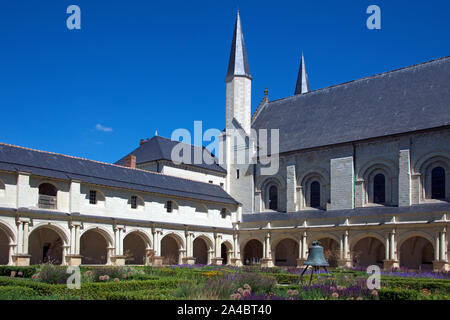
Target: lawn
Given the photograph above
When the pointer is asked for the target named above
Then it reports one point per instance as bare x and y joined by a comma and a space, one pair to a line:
184, 282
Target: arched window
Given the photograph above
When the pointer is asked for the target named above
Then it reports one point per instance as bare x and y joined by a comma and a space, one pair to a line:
314, 201
273, 198
438, 183
47, 196
379, 189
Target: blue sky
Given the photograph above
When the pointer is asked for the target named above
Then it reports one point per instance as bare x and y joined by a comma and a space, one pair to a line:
137, 66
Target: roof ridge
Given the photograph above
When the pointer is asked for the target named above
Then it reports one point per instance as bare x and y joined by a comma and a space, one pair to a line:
377, 75
100, 162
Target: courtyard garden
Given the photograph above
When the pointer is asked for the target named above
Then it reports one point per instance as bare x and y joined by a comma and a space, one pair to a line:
198, 282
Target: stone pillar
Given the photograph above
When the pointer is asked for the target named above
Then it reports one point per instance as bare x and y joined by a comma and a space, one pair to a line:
109, 253
217, 259
359, 193
404, 178
441, 262
443, 242
236, 260
291, 184
391, 260
156, 260
74, 196
267, 262
386, 248
19, 237
77, 239
392, 243
26, 230
346, 261
258, 201
72, 256
342, 183
12, 248
302, 247
23, 196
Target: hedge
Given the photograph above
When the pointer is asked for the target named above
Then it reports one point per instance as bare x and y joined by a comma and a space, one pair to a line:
91, 290
395, 294
159, 294
17, 293
27, 272
417, 284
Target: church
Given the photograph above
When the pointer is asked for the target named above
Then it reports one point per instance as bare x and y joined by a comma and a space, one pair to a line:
363, 167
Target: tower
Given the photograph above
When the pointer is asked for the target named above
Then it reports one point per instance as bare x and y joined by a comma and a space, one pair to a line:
235, 139
302, 79
238, 83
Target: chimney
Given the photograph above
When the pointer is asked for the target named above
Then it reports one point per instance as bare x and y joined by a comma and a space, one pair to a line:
141, 142
130, 161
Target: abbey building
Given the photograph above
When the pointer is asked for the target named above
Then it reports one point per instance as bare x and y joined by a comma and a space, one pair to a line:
363, 167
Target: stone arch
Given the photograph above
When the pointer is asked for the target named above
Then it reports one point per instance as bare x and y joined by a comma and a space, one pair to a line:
94, 245
253, 251
416, 252
331, 248
46, 244
171, 245
226, 249
314, 175
265, 186
201, 247
286, 252
368, 173
6, 238
424, 167
368, 250
135, 246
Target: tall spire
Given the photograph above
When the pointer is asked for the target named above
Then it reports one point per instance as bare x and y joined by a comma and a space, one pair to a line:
302, 80
238, 64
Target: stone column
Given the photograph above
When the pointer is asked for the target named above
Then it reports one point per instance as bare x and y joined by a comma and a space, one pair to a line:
26, 229
258, 201
345, 261
72, 238
19, 237
291, 184
217, 259
301, 250
12, 248
392, 243
77, 239
156, 259
267, 262
236, 259
443, 247
436, 247
386, 248
404, 178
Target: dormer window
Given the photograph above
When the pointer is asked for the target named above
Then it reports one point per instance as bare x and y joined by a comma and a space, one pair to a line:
92, 197
133, 202
169, 206
223, 213
47, 196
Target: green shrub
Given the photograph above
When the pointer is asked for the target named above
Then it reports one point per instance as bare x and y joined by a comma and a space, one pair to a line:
27, 272
16, 293
398, 294
417, 284
160, 294
49, 273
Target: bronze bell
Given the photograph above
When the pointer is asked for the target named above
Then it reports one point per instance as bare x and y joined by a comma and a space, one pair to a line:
316, 257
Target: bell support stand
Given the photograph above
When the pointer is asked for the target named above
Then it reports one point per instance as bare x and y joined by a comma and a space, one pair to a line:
316, 259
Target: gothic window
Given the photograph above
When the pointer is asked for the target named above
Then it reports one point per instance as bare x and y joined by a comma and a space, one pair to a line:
273, 198
315, 195
438, 183
379, 189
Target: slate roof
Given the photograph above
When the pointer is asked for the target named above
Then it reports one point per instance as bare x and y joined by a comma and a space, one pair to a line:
160, 148
400, 101
46, 164
347, 213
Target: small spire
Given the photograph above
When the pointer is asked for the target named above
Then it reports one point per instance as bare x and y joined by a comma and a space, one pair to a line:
156, 132
238, 64
302, 80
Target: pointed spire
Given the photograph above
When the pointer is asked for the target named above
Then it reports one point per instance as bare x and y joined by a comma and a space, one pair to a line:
302, 80
156, 132
238, 64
